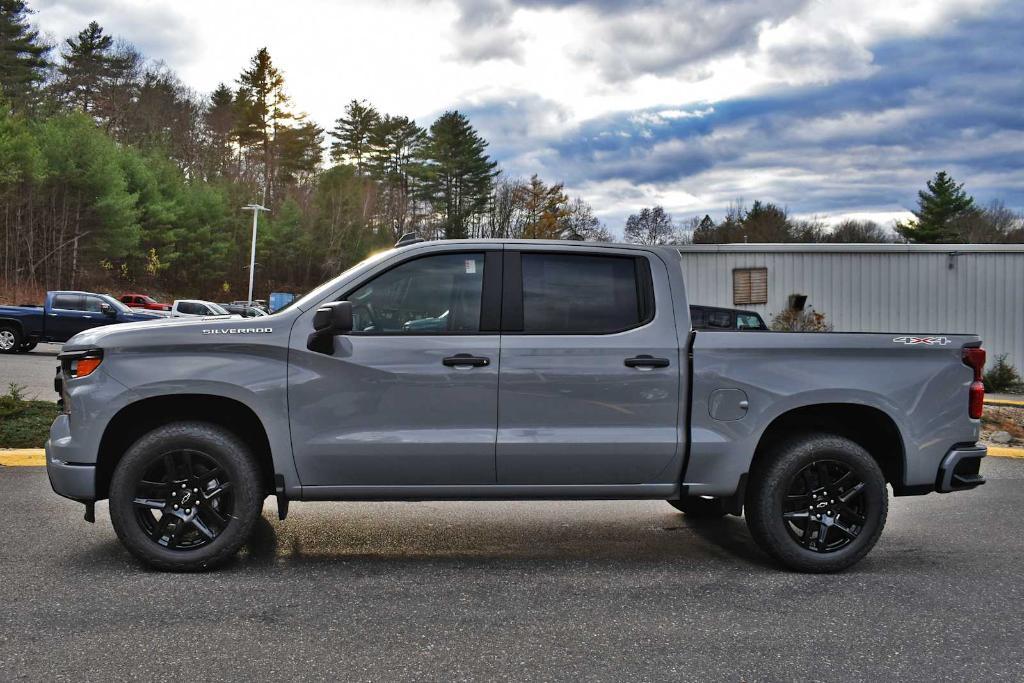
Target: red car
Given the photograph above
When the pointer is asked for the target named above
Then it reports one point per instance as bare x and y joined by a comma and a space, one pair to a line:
143, 301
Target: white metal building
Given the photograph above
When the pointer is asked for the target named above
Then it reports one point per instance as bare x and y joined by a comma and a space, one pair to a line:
975, 288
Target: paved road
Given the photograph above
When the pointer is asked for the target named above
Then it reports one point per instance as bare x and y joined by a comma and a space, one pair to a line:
32, 370
549, 591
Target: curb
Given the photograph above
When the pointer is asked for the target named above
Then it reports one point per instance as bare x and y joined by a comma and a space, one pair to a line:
36, 457
1004, 402
23, 457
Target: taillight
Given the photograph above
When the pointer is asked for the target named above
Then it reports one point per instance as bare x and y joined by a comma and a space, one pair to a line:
974, 358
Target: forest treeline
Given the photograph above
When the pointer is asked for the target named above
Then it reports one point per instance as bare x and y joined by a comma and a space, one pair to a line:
116, 175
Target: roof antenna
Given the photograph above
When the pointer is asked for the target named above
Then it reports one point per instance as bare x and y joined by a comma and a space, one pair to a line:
407, 239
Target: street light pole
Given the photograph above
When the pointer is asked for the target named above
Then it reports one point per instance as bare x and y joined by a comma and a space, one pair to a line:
255, 208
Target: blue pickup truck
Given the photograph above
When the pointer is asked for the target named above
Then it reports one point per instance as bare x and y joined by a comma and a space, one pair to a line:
62, 316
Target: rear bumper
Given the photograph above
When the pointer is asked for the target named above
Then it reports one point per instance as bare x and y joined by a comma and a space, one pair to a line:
959, 470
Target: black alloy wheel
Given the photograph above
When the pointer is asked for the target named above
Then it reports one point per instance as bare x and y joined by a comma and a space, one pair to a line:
825, 509
186, 495
184, 500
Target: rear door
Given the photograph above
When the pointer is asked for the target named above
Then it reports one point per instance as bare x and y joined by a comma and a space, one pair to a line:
589, 387
66, 317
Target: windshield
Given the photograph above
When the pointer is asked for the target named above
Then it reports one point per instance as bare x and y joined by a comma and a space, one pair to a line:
117, 305
317, 292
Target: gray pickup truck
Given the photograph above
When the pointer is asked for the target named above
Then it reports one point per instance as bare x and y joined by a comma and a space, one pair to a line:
509, 370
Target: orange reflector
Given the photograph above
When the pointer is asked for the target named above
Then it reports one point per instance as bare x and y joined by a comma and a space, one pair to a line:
84, 366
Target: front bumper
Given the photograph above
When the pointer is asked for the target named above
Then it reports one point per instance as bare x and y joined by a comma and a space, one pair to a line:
960, 468
68, 478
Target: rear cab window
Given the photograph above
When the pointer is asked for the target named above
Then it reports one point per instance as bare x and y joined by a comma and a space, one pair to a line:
566, 293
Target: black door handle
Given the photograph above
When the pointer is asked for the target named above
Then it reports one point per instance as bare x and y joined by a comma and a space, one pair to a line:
464, 359
645, 361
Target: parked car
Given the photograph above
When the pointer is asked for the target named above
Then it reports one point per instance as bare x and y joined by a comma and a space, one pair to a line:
605, 391
244, 311
196, 307
62, 315
143, 301
714, 319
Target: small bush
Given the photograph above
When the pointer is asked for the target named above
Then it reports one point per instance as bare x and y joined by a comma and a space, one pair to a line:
1002, 376
24, 424
808, 320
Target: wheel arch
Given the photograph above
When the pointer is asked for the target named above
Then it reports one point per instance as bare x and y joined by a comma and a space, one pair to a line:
871, 428
140, 417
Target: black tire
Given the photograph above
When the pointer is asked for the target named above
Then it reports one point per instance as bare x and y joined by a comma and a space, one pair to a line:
812, 528
702, 508
26, 347
10, 339
202, 456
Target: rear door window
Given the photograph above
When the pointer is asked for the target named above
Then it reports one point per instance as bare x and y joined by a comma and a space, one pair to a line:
720, 320
580, 294
68, 302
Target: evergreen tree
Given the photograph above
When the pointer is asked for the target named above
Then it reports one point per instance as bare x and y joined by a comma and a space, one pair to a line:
939, 208
221, 120
457, 174
651, 227
262, 112
766, 222
23, 57
352, 133
89, 62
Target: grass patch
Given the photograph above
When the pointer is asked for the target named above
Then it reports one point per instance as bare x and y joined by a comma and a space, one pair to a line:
24, 424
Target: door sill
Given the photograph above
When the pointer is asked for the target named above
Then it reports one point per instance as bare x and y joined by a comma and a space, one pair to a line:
493, 492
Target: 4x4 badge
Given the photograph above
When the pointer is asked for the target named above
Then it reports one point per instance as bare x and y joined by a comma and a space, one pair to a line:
930, 341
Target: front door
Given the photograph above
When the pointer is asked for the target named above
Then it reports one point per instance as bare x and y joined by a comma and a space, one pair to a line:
589, 389
410, 396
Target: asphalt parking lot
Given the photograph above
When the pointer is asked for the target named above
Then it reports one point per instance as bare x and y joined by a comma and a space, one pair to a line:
33, 371
542, 590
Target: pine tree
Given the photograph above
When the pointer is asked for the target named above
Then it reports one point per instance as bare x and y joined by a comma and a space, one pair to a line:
23, 58
457, 174
263, 112
89, 63
938, 210
221, 119
352, 132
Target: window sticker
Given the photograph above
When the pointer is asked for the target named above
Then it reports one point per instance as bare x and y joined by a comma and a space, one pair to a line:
470, 266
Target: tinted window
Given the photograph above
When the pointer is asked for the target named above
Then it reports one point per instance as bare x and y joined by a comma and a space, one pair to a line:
92, 304
579, 294
429, 295
722, 319
697, 317
748, 321
67, 302
188, 308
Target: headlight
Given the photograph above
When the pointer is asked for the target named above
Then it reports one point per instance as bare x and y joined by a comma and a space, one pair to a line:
79, 364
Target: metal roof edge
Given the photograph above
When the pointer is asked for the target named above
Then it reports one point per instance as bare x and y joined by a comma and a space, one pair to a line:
851, 248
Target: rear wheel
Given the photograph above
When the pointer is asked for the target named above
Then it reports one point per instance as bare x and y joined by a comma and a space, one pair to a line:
10, 339
817, 503
185, 496
696, 506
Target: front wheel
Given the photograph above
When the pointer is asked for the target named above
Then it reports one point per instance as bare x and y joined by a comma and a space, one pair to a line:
817, 503
25, 347
185, 496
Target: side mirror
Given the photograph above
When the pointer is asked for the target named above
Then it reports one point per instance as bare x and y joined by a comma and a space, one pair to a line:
108, 310
329, 321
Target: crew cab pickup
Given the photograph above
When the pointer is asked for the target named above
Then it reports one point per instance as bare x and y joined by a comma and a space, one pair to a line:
509, 369
62, 315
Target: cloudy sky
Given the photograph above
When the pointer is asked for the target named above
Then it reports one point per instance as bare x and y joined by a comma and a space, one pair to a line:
831, 108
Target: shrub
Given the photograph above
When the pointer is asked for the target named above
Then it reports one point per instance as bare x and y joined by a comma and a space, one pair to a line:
809, 320
1002, 376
